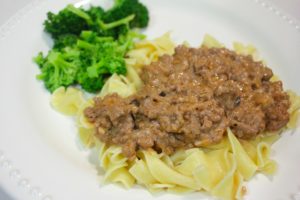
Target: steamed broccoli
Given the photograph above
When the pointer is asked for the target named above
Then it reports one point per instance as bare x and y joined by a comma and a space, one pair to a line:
123, 8
65, 40
89, 84
57, 71
65, 22
95, 12
124, 15
89, 45
87, 61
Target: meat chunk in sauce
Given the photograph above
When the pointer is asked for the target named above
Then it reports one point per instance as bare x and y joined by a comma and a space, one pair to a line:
189, 100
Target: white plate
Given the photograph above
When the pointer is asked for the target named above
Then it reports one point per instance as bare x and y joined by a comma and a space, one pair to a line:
39, 155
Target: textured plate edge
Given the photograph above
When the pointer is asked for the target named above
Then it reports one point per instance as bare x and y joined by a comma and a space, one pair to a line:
6, 164
8, 26
13, 21
283, 15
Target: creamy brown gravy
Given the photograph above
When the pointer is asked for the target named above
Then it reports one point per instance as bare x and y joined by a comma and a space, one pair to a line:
189, 99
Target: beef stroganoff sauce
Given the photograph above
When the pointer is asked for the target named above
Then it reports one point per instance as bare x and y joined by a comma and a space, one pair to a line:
189, 100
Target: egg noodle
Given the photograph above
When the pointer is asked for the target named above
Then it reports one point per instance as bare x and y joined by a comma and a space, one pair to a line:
219, 169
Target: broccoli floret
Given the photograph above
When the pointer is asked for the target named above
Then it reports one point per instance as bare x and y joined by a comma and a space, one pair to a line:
127, 41
114, 32
116, 65
96, 12
56, 71
89, 84
106, 55
65, 41
107, 65
40, 59
65, 22
124, 8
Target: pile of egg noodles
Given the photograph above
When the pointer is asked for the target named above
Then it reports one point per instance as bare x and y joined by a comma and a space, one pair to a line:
218, 169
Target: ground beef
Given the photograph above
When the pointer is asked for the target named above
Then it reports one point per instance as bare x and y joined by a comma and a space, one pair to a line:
189, 99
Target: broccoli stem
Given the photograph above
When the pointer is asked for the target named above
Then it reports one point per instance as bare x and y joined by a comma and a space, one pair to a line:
102, 25
80, 13
85, 35
114, 24
104, 39
84, 45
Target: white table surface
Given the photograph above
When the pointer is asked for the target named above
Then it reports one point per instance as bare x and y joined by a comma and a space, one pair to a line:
9, 7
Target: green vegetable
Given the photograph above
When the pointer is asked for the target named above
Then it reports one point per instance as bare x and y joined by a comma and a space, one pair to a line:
123, 8
65, 22
86, 61
65, 40
125, 14
90, 45
89, 84
57, 70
